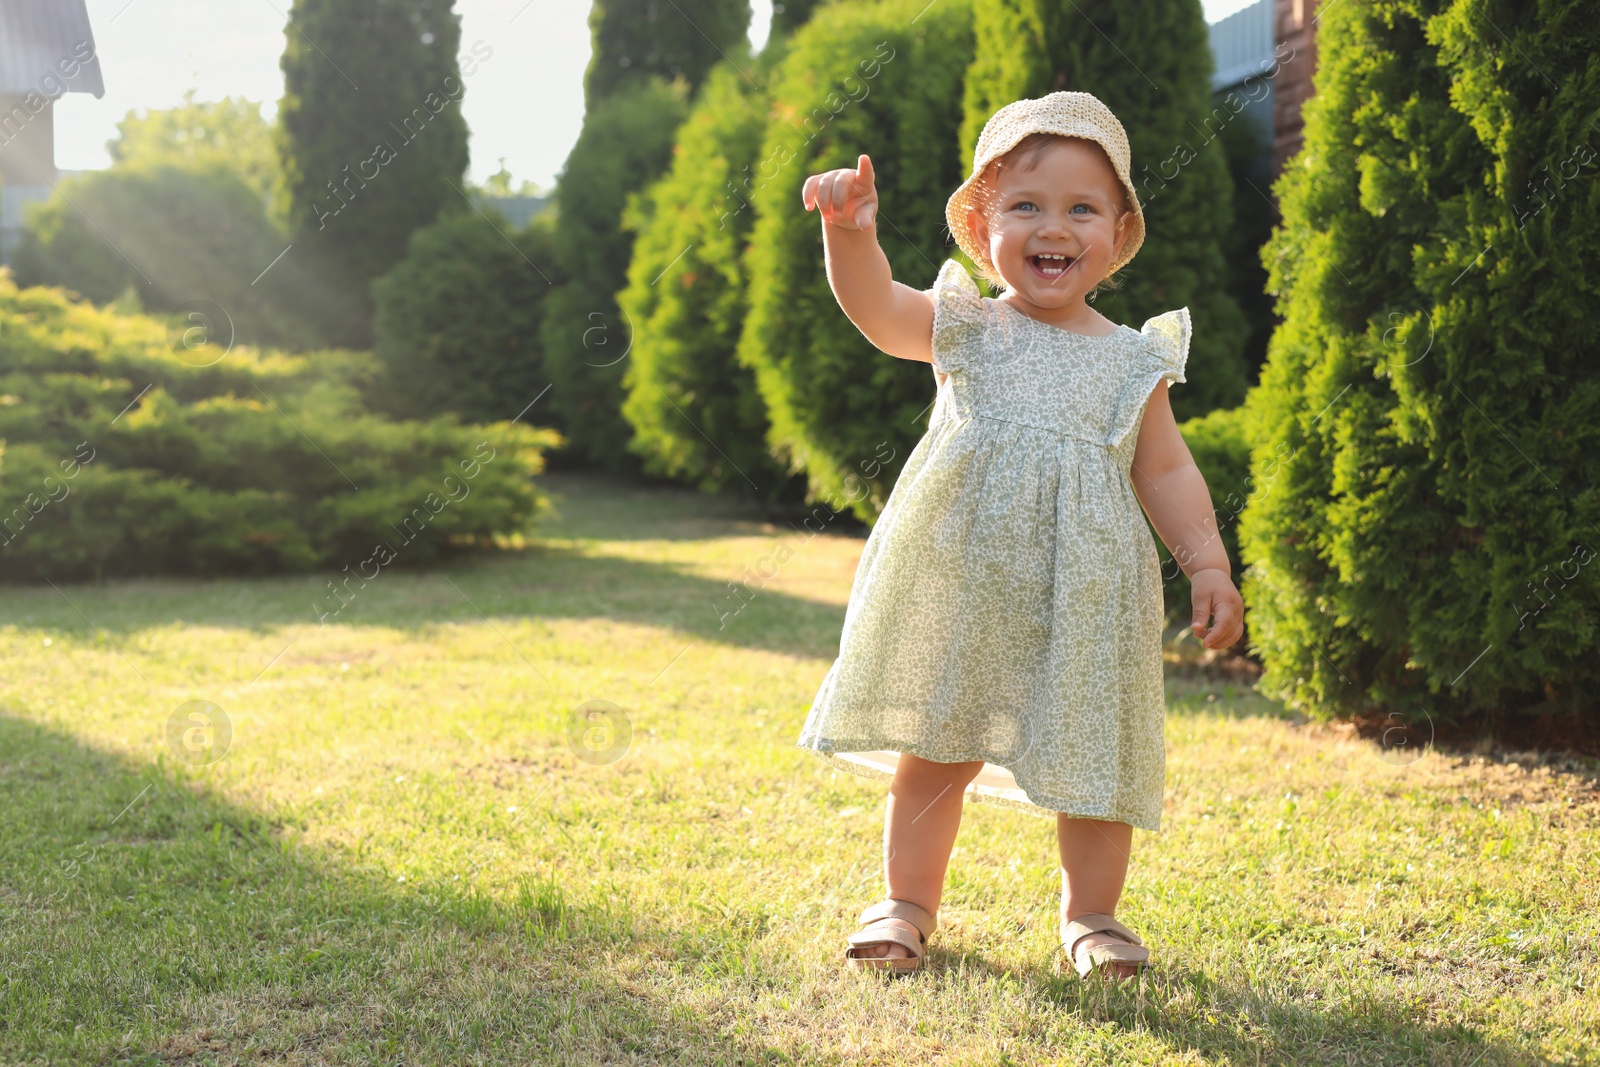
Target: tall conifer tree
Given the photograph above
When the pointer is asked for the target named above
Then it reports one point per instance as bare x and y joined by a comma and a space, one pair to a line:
696, 411
626, 144
635, 40
885, 79
1428, 422
371, 139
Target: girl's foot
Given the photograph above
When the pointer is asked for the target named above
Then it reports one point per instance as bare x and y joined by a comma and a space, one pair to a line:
1098, 942
1117, 971
892, 936
890, 948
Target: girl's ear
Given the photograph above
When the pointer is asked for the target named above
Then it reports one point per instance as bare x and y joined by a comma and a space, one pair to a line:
1123, 228
978, 225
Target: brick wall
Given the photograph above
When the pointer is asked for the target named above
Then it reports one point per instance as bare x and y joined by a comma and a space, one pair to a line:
1294, 25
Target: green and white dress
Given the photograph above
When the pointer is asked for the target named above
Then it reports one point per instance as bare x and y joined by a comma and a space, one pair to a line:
1007, 606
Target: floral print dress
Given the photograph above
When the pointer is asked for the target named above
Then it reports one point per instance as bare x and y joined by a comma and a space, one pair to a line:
1007, 606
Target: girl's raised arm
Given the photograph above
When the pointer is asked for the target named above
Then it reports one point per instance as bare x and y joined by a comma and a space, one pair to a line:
895, 317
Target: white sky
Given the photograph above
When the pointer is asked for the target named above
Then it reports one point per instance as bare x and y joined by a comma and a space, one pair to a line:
525, 103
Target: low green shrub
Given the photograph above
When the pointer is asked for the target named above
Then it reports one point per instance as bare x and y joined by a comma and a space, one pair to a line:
133, 452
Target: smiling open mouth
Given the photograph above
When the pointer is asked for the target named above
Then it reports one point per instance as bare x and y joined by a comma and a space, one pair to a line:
1051, 266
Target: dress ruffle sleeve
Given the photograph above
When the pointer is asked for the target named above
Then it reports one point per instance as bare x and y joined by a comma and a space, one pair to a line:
1166, 344
1167, 336
958, 319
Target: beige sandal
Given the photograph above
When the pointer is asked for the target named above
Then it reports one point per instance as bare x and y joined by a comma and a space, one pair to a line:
1131, 954
875, 931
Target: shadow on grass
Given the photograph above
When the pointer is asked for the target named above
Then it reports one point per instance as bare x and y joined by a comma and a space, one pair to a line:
594, 506
1231, 1022
547, 582
144, 919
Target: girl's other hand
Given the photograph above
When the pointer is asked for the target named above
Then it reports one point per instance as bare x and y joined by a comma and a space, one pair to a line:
847, 198
1212, 594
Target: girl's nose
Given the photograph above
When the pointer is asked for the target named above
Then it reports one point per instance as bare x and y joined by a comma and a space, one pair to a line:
1052, 226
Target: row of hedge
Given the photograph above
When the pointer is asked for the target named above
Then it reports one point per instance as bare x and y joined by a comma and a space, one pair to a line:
735, 329
686, 326
732, 366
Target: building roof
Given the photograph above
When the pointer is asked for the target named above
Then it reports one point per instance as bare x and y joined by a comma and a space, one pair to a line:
38, 38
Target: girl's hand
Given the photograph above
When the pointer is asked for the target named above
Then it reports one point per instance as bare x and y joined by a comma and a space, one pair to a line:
847, 198
1212, 593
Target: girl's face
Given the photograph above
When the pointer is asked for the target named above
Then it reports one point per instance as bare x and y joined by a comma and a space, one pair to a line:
1052, 228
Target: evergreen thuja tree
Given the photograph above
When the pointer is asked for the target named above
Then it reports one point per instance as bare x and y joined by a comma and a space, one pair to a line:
790, 15
696, 412
371, 140
882, 79
1423, 539
640, 83
1150, 63
626, 142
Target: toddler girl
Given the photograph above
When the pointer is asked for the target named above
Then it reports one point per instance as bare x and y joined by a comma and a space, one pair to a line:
1007, 607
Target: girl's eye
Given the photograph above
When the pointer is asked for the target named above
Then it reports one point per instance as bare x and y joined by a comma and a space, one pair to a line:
1019, 205
1075, 207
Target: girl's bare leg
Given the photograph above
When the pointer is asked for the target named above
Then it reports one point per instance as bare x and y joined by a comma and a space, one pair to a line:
1094, 864
920, 822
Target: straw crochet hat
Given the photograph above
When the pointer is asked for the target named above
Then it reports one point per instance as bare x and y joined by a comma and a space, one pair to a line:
1064, 113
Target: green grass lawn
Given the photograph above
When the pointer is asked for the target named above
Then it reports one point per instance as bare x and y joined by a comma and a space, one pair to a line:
402, 858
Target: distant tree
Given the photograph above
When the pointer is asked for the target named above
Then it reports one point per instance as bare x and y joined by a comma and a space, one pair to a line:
186, 236
498, 184
229, 133
458, 320
635, 40
371, 138
1427, 438
1162, 95
186, 213
885, 79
